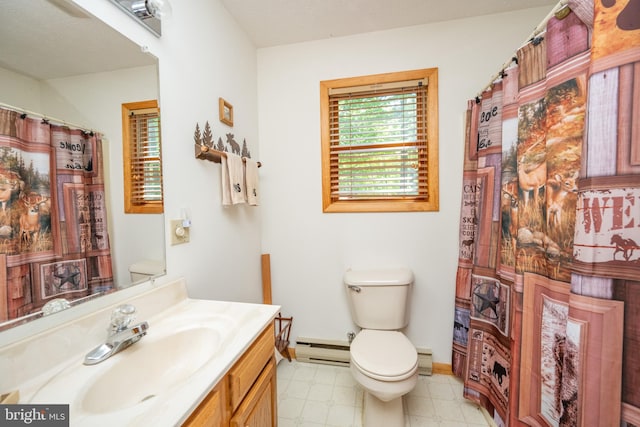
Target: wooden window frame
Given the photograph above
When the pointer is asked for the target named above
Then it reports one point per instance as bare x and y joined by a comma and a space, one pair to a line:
431, 116
155, 207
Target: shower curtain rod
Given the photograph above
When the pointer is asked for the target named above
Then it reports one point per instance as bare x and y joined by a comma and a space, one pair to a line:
540, 28
47, 118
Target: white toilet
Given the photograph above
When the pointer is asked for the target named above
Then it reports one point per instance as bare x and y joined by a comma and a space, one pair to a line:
383, 360
145, 269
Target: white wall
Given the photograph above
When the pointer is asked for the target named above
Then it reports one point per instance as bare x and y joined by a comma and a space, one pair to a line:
206, 56
203, 55
19, 91
311, 250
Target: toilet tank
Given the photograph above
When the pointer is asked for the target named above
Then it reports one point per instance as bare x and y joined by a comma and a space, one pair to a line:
379, 299
145, 269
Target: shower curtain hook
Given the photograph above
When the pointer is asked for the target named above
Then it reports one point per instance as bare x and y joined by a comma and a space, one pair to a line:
537, 40
562, 12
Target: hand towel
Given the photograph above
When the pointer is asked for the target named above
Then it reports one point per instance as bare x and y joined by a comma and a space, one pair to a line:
224, 180
251, 181
232, 177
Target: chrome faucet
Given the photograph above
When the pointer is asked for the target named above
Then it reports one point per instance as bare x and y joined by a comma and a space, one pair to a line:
121, 335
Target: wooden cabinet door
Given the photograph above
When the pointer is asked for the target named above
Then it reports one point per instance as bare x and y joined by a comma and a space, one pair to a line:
259, 406
211, 412
244, 374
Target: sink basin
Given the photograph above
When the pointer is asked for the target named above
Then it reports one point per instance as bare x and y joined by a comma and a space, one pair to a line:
149, 367
148, 372
157, 380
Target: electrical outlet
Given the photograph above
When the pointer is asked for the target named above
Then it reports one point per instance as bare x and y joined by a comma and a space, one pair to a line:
179, 233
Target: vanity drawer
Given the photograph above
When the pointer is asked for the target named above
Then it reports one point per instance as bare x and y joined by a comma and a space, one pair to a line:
245, 373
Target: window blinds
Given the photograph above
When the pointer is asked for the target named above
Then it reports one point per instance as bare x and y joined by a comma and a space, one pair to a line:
378, 142
146, 166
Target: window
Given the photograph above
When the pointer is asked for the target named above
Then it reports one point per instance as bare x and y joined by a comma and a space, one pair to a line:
379, 139
142, 157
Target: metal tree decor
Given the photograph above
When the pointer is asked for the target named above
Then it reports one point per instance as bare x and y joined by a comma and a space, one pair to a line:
197, 138
220, 146
205, 148
205, 141
207, 136
245, 150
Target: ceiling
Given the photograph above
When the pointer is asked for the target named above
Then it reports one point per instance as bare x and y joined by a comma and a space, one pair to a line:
48, 39
277, 22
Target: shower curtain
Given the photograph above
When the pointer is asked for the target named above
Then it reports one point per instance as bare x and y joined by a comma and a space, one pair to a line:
546, 328
53, 219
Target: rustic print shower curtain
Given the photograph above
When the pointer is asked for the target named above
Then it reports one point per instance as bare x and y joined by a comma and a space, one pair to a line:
547, 319
53, 225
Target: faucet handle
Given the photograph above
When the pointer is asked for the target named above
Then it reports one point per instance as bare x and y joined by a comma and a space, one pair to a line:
122, 316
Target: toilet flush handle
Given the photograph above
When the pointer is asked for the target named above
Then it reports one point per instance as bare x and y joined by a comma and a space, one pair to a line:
354, 288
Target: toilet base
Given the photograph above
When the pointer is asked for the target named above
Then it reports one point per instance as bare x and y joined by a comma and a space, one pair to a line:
377, 413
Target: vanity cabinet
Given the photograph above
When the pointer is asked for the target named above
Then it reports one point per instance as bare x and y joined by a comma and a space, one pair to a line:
246, 396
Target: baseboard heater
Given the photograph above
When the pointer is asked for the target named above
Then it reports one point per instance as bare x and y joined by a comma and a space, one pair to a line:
335, 352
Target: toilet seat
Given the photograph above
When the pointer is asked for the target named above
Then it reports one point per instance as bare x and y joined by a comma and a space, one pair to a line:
384, 355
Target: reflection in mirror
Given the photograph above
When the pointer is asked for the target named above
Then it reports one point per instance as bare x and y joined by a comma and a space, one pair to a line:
55, 305
62, 66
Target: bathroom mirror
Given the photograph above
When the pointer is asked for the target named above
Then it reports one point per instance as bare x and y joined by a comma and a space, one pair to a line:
61, 62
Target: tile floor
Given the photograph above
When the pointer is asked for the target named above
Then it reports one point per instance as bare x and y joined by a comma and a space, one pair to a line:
312, 395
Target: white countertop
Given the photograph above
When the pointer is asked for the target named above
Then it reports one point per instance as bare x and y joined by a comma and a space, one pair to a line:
62, 377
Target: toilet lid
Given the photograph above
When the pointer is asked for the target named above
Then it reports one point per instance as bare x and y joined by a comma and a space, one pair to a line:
384, 355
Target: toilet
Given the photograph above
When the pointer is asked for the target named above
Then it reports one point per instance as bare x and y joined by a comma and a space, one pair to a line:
145, 269
383, 360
